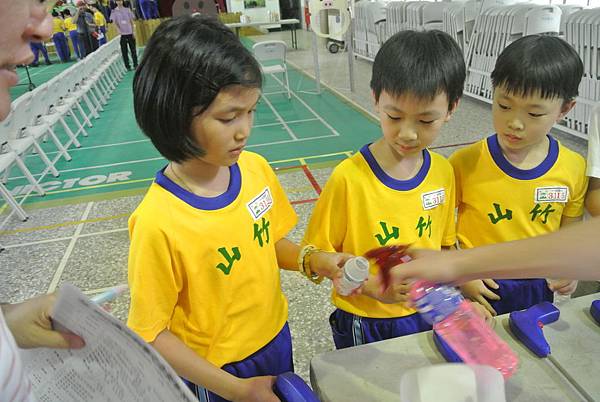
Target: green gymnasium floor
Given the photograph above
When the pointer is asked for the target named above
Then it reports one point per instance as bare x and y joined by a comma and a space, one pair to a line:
117, 157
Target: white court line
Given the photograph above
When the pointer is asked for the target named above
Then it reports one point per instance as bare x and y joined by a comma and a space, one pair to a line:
94, 147
161, 158
63, 263
311, 109
115, 144
278, 116
57, 239
278, 124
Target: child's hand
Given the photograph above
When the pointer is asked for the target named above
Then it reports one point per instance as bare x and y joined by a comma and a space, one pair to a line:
479, 291
484, 313
328, 264
257, 389
562, 286
396, 292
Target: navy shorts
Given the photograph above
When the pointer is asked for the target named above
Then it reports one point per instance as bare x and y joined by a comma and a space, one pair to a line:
273, 359
352, 330
519, 294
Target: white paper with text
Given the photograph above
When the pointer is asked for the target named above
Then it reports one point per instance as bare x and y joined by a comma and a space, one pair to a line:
115, 365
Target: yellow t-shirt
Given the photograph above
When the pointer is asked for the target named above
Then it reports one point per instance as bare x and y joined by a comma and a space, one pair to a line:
206, 268
99, 19
69, 25
58, 25
362, 208
498, 202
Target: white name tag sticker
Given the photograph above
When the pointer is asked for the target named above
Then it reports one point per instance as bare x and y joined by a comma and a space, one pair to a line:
552, 194
261, 204
433, 198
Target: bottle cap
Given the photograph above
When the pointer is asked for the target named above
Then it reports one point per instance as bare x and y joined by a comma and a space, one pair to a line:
435, 302
357, 269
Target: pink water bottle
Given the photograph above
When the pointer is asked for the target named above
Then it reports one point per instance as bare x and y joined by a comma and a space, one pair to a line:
454, 319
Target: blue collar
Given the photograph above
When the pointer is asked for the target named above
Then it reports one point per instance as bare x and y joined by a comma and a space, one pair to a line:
395, 184
205, 203
515, 172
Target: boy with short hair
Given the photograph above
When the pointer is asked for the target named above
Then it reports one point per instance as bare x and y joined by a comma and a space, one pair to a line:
521, 182
394, 191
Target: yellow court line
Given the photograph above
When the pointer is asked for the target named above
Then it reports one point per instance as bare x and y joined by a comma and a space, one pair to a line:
63, 224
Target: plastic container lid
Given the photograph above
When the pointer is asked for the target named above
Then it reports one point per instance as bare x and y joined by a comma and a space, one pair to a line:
453, 382
357, 269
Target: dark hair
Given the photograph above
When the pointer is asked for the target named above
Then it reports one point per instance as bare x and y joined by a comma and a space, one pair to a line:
66, 12
54, 13
422, 63
186, 63
539, 63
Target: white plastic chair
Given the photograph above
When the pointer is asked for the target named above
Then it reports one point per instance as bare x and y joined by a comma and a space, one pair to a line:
273, 51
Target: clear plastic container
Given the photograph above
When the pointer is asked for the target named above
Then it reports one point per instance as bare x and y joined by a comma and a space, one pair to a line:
455, 320
355, 272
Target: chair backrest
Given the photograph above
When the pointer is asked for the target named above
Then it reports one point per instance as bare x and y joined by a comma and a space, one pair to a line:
270, 50
21, 114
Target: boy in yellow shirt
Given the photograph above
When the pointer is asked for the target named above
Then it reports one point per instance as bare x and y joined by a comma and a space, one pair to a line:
101, 25
71, 28
394, 191
521, 182
58, 37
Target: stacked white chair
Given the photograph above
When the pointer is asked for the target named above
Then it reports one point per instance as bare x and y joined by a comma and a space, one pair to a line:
35, 114
271, 55
495, 28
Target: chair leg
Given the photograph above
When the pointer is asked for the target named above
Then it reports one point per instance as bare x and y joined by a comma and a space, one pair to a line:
86, 119
44, 158
10, 200
29, 176
287, 84
61, 148
69, 132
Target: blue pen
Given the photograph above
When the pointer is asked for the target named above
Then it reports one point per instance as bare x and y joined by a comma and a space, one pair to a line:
109, 295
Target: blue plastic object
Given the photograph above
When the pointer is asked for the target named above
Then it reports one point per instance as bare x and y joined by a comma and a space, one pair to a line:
595, 310
527, 326
445, 349
289, 387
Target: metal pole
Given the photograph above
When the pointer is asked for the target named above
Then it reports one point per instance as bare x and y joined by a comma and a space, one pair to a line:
315, 48
350, 50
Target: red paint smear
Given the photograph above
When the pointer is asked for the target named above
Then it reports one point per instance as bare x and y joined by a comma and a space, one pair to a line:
386, 258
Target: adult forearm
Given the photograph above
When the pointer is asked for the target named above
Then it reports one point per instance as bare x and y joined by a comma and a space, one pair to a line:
572, 252
592, 200
195, 368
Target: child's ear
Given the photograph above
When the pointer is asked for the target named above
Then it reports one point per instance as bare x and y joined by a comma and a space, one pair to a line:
451, 110
566, 108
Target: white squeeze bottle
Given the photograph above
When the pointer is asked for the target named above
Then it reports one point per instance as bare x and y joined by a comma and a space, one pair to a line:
356, 271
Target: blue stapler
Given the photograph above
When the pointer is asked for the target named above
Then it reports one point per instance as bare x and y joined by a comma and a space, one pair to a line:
289, 387
595, 310
445, 349
527, 326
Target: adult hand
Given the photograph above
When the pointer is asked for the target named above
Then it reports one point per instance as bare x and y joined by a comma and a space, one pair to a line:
31, 325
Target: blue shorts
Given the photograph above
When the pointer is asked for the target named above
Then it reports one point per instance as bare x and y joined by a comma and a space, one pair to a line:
273, 359
519, 294
352, 330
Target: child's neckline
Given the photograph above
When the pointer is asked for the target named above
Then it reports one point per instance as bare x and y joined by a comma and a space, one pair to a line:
522, 174
389, 181
204, 203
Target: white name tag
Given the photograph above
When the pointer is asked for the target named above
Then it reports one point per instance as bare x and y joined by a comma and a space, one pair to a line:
552, 194
433, 198
261, 204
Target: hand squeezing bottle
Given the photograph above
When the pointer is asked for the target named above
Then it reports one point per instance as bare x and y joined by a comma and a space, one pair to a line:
355, 272
455, 320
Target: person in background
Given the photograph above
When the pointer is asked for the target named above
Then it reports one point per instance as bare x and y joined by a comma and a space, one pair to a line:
58, 37
86, 28
37, 48
71, 28
100, 24
123, 19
